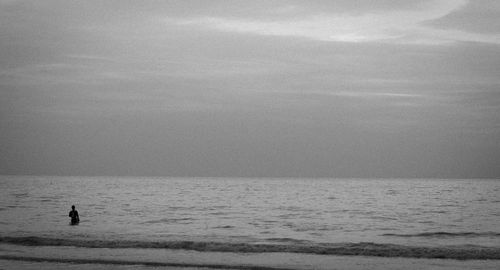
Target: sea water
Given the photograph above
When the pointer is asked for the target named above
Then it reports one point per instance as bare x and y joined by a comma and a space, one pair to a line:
413, 218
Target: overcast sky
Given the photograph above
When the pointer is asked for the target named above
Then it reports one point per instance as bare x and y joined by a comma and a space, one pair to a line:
344, 88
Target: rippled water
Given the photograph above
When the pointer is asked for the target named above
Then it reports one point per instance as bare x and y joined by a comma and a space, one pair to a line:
408, 212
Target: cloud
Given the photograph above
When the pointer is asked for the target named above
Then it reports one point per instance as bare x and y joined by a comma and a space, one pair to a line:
200, 88
395, 26
7, 2
475, 17
376, 94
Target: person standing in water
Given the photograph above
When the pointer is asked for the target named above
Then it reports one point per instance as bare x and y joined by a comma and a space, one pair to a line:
73, 214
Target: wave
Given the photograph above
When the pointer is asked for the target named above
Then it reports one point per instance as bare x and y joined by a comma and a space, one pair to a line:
132, 263
464, 252
446, 234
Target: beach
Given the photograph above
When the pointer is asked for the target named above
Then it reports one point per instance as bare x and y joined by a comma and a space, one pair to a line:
249, 135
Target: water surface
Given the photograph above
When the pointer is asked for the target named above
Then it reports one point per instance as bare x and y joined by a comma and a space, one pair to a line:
296, 215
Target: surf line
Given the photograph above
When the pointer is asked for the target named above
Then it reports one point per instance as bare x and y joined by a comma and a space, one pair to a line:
153, 264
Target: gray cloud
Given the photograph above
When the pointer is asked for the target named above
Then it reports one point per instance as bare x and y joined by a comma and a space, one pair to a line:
476, 17
129, 88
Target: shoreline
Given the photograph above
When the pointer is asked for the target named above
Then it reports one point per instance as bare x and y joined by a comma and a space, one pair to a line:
77, 257
336, 249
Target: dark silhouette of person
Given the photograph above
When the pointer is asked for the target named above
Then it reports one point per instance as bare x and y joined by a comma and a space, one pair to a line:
73, 214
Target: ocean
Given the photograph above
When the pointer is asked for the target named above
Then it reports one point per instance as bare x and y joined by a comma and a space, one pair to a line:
243, 223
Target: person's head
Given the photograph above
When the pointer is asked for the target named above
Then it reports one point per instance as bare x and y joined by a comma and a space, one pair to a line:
73, 207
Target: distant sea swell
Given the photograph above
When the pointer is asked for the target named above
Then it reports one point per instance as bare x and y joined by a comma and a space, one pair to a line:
462, 252
447, 234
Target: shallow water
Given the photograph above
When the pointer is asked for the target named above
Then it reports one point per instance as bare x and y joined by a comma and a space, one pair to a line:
391, 217
40, 257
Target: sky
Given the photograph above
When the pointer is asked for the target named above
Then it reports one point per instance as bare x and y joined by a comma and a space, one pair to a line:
346, 88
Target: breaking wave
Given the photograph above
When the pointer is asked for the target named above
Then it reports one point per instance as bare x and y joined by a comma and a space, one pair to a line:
447, 234
134, 263
463, 252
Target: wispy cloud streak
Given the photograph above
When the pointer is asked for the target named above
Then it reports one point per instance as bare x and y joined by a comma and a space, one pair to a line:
395, 26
